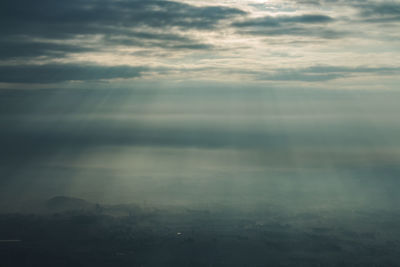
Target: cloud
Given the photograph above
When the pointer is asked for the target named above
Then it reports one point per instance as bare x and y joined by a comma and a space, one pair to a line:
179, 37
278, 21
324, 73
367, 10
160, 40
46, 122
22, 48
60, 18
143, 23
380, 12
318, 32
298, 25
53, 73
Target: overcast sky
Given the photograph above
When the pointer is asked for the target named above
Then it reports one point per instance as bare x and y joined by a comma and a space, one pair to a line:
350, 44
132, 100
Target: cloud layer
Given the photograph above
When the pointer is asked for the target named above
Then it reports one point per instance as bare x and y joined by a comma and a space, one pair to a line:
275, 41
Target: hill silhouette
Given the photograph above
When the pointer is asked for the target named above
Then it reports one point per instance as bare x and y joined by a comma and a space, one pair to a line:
64, 203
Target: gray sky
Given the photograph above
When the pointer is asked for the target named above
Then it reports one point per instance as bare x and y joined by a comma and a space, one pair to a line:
346, 44
283, 102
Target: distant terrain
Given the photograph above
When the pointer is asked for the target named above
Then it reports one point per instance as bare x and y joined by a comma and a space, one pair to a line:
74, 232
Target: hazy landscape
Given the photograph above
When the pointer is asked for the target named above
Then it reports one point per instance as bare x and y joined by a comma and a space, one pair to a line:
199, 133
73, 232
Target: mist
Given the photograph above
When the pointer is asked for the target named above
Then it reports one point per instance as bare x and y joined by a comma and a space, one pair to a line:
295, 149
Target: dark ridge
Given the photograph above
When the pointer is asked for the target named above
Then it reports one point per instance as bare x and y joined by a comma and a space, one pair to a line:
62, 203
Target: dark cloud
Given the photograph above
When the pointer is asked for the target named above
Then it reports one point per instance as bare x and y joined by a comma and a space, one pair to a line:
341, 69
132, 23
380, 12
22, 48
280, 20
149, 40
383, 9
53, 73
368, 11
299, 25
318, 32
300, 75
63, 134
324, 73
43, 126
60, 18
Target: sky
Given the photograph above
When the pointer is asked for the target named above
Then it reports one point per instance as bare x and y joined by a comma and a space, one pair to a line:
198, 102
346, 44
